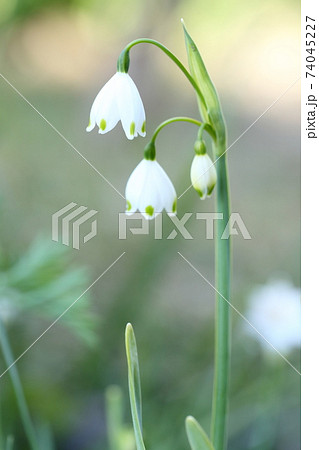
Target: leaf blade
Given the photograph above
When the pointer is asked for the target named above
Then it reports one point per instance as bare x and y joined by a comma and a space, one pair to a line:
134, 385
213, 113
197, 438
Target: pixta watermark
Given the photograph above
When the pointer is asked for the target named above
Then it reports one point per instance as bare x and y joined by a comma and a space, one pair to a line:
68, 222
234, 226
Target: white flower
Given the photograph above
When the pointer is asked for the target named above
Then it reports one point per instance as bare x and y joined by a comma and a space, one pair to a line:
118, 99
203, 175
274, 309
150, 190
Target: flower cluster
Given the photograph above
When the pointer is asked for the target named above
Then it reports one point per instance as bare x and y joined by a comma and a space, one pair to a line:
149, 189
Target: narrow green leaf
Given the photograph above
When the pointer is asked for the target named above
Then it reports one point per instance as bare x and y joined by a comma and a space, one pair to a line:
134, 385
197, 437
212, 113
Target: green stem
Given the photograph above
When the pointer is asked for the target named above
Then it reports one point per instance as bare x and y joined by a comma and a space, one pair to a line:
201, 129
180, 119
17, 386
150, 150
222, 281
123, 67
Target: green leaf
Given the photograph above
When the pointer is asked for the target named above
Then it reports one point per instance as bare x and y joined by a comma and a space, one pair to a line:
197, 437
212, 114
134, 385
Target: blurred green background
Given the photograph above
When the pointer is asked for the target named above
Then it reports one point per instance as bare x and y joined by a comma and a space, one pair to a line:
58, 54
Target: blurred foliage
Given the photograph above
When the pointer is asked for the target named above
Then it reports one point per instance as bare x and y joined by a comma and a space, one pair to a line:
41, 283
11, 10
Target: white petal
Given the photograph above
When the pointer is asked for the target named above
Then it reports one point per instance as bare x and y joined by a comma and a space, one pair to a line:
203, 174
130, 106
136, 183
166, 189
103, 106
91, 125
139, 115
150, 190
108, 115
150, 203
138, 109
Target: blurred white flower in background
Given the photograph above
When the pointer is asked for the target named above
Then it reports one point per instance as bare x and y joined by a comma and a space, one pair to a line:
275, 310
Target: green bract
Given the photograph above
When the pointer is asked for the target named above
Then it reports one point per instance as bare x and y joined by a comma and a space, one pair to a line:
150, 151
200, 147
211, 112
123, 62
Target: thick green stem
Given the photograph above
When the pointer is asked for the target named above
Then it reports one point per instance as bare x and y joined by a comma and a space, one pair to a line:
17, 386
222, 283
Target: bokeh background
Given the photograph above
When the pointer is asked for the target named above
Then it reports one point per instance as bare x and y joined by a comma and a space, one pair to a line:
58, 54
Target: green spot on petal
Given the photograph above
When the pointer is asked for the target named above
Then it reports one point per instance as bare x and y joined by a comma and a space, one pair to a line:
103, 124
174, 206
128, 206
199, 192
132, 128
143, 127
89, 123
210, 190
149, 210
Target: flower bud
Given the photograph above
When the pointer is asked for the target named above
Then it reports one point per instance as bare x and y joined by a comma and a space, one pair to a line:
203, 172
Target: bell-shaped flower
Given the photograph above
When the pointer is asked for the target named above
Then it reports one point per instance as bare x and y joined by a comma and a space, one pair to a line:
150, 190
118, 99
203, 172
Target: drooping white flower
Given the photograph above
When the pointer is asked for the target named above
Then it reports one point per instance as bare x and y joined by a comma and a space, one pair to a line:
118, 99
150, 190
274, 309
203, 175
